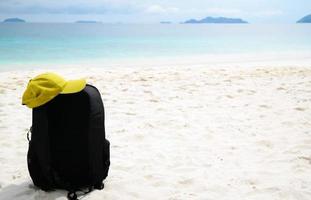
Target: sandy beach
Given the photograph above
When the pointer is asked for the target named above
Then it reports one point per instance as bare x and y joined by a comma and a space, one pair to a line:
181, 133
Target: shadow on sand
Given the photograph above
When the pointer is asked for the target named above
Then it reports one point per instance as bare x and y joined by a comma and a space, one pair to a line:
27, 191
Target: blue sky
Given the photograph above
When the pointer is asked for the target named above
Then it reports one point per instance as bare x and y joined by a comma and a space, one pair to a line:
147, 11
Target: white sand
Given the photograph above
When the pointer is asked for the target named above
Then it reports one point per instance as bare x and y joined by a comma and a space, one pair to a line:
182, 133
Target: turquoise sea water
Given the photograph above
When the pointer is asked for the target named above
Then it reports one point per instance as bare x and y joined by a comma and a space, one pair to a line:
40, 43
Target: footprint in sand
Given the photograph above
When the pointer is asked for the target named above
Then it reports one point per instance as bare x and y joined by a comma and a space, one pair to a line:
253, 183
121, 130
264, 106
187, 181
287, 123
128, 113
300, 109
300, 83
280, 88
149, 177
3, 127
154, 100
147, 91
305, 158
251, 92
265, 143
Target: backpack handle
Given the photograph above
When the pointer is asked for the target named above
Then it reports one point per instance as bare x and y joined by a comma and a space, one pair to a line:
29, 131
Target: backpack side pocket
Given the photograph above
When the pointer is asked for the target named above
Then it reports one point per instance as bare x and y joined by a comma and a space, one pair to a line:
35, 170
106, 157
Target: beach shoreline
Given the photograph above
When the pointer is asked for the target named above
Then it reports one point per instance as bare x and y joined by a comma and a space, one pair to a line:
237, 60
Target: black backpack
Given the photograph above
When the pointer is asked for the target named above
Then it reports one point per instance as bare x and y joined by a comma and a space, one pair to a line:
68, 149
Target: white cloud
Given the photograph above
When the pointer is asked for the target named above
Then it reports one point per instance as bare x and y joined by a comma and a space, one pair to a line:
67, 7
212, 11
267, 13
222, 11
157, 9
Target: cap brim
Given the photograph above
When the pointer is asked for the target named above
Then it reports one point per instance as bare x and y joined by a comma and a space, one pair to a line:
74, 86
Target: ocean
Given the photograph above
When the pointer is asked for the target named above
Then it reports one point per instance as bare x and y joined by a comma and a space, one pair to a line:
36, 44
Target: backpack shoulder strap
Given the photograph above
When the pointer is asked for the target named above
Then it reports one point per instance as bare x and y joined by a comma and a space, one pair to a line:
96, 136
97, 112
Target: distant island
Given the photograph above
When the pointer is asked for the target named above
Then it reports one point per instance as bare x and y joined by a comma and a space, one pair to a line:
216, 20
165, 22
14, 20
87, 22
306, 19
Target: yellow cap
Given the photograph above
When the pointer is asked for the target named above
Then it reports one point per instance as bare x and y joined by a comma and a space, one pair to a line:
45, 87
